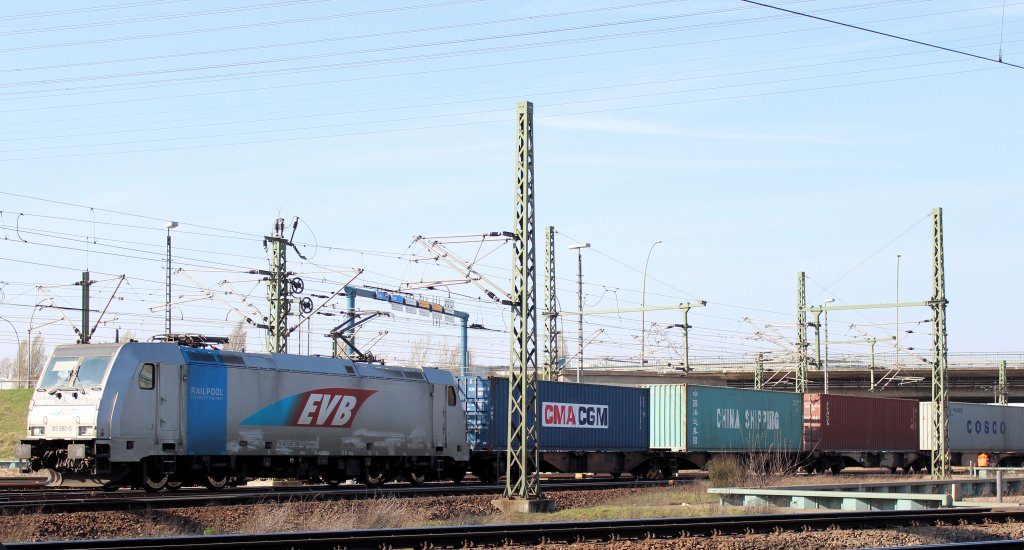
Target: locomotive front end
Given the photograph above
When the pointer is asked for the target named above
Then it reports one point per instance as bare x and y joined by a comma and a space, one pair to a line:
64, 435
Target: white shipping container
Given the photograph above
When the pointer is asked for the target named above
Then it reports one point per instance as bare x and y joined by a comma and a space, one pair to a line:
974, 427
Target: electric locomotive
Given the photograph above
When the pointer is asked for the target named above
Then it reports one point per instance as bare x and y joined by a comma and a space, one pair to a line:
159, 415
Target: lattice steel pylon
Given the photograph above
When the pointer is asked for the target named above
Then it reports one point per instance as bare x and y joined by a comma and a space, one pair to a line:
801, 333
522, 479
759, 371
550, 308
1001, 384
940, 465
277, 290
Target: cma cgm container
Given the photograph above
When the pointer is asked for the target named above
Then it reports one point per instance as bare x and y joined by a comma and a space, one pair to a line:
837, 423
690, 418
975, 428
581, 428
573, 417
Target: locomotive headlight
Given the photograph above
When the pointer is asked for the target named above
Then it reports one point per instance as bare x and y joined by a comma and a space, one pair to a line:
86, 430
36, 430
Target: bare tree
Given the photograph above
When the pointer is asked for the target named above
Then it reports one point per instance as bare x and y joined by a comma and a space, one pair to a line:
236, 341
421, 351
128, 336
27, 364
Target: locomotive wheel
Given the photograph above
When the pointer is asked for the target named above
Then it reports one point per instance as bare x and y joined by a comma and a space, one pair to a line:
152, 479
334, 478
215, 480
53, 477
151, 485
416, 476
374, 479
173, 484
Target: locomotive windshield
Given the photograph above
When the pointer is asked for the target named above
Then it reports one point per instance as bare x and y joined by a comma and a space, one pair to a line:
72, 372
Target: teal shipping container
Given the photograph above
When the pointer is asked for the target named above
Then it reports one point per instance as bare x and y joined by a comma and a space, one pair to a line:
690, 418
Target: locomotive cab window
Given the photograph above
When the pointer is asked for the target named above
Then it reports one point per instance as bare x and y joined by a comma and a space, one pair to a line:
452, 401
146, 376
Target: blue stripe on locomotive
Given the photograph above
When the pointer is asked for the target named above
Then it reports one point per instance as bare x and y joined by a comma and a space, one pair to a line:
207, 407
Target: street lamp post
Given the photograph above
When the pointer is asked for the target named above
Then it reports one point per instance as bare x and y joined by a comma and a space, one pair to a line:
825, 373
643, 303
898, 256
167, 301
579, 301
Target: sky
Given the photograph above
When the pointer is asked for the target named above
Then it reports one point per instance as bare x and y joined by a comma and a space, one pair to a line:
752, 143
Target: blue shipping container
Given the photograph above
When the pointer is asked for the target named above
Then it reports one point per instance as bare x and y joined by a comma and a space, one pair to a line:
572, 417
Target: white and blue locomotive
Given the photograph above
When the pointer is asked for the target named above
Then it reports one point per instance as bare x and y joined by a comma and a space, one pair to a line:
159, 415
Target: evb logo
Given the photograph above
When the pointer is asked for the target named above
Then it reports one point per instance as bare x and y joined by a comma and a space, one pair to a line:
326, 408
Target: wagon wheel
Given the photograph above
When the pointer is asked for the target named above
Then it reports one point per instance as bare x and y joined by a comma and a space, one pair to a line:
457, 474
651, 471
488, 473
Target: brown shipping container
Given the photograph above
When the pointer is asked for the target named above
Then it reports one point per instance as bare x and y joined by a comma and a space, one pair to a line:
854, 423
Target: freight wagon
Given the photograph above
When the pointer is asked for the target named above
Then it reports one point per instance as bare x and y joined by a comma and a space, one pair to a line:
582, 428
158, 415
847, 430
697, 422
997, 430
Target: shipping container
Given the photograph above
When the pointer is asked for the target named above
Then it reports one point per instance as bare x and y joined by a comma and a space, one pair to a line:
686, 417
975, 427
854, 423
572, 417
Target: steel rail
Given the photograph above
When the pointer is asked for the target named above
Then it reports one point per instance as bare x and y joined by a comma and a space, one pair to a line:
551, 533
1001, 544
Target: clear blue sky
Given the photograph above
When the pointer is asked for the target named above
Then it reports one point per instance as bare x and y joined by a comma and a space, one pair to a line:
753, 143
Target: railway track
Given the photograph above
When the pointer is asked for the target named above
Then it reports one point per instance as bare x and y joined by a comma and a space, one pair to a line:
557, 533
54, 501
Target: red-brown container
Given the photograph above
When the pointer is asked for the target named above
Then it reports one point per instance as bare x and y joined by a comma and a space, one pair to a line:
853, 423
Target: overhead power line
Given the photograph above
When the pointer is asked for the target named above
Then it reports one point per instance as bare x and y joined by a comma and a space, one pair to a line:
897, 37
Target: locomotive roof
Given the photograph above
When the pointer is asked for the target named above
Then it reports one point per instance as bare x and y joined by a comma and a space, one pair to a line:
275, 361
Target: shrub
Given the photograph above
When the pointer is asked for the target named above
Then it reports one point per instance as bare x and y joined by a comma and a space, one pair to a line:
726, 471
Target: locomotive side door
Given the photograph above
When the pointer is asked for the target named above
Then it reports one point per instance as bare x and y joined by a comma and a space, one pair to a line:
440, 416
169, 402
